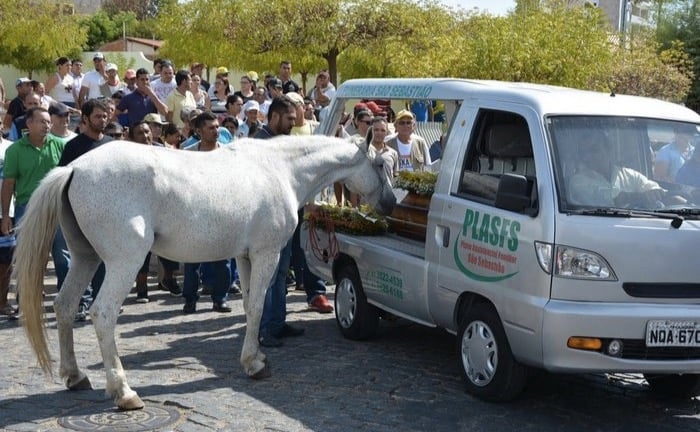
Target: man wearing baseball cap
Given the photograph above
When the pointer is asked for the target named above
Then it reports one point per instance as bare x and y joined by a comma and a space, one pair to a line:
17, 108
90, 86
251, 125
413, 151
129, 81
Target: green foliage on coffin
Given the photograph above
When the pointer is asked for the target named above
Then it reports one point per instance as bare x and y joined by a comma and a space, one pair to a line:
348, 220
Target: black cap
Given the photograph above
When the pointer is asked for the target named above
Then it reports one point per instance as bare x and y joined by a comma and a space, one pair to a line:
275, 82
58, 109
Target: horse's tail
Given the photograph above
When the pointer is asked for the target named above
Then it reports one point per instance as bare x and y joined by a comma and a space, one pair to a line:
36, 232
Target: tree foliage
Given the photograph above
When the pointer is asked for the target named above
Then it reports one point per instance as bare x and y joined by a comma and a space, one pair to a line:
681, 22
142, 9
33, 34
548, 41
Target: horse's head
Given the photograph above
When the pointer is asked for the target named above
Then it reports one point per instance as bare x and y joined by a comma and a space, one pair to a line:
369, 180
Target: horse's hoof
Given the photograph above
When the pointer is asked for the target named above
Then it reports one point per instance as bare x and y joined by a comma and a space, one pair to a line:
130, 404
265, 372
83, 384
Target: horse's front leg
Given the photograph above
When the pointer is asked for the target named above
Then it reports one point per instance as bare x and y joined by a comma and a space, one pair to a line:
260, 270
104, 314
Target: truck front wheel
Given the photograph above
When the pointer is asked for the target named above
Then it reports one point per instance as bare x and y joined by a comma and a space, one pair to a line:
488, 367
675, 385
356, 318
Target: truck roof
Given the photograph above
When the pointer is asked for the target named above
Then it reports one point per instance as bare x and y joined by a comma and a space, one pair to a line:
546, 99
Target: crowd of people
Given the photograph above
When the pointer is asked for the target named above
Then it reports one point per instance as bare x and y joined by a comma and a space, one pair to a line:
179, 109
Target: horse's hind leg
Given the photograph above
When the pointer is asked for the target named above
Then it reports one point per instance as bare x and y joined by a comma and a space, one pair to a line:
104, 313
83, 267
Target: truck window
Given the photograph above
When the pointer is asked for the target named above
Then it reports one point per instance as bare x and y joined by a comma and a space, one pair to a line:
500, 144
618, 162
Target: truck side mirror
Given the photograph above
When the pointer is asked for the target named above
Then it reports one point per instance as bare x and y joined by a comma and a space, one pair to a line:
514, 194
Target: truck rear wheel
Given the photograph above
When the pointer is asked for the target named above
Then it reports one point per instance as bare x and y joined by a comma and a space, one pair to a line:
356, 318
674, 385
488, 367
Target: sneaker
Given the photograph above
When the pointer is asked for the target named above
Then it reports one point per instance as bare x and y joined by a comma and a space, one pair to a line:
235, 288
82, 313
170, 285
289, 331
142, 298
8, 310
221, 307
190, 308
321, 304
269, 341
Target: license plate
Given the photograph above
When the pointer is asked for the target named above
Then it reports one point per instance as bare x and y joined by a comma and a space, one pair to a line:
663, 333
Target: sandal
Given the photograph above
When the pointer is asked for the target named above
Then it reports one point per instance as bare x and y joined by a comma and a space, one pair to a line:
8, 310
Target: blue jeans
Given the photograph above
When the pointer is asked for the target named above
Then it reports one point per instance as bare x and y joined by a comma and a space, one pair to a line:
313, 285
275, 309
59, 252
222, 281
206, 272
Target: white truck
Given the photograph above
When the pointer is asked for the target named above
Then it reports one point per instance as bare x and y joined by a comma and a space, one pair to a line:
540, 251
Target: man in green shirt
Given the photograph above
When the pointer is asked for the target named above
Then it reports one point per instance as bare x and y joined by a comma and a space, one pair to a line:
27, 161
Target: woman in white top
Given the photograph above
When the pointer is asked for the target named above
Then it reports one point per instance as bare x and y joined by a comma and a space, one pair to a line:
60, 85
200, 96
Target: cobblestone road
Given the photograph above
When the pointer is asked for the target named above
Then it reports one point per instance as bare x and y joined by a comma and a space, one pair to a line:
405, 380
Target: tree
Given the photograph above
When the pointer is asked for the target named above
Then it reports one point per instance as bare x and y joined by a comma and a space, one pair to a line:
100, 29
195, 31
557, 44
33, 34
682, 23
143, 9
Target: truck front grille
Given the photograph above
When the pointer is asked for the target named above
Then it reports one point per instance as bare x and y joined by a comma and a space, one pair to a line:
636, 349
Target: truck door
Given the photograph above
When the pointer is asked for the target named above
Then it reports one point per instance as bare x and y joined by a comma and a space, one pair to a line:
488, 239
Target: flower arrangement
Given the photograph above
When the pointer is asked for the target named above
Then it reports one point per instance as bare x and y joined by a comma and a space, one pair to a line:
419, 182
348, 220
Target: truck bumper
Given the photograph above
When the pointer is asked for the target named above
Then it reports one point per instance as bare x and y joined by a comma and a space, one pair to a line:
626, 322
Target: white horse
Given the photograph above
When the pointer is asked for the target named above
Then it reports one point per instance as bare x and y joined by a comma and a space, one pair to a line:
121, 200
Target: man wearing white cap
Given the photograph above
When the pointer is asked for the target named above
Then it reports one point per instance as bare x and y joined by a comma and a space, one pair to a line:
17, 108
112, 83
251, 124
90, 86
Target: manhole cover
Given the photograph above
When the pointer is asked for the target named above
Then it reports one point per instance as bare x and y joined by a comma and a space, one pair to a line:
107, 418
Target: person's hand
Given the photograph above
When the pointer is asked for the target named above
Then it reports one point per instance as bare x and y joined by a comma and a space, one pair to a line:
6, 226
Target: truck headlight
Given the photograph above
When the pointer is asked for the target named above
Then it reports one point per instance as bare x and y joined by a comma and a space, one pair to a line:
574, 263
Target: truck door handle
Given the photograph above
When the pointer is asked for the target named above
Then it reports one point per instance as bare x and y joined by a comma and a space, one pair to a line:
444, 232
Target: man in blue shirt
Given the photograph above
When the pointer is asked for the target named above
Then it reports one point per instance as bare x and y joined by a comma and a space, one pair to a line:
142, 101
281, 117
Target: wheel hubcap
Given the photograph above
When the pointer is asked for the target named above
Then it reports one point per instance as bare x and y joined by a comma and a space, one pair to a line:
479, 353
346, 303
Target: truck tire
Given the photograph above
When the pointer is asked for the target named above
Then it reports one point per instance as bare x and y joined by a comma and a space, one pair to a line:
674, 385
488, 367
357, 319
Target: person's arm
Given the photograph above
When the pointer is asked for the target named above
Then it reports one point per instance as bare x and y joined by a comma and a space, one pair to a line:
82, 95
7, 121
8, 189
170, 105
160, 106
51, 83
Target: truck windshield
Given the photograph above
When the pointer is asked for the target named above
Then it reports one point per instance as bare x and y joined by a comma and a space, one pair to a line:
608, 163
